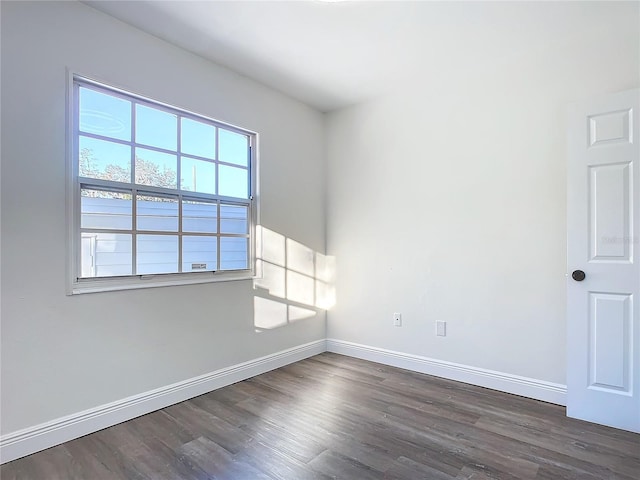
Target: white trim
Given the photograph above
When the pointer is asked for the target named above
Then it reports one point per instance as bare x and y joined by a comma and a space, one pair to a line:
73, 248
76, 285
33, 439
153, 281
505, 382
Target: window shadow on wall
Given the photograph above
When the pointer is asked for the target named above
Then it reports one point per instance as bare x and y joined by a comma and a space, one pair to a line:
293, 282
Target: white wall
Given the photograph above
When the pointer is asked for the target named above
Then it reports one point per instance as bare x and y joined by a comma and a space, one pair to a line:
64, 354
447, 202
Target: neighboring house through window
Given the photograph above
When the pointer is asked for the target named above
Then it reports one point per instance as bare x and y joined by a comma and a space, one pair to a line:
158, 195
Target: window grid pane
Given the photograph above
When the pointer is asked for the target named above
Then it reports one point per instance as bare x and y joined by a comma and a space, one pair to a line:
197, 175
199, 253
199, 217
138, 143
105, 210
105, 254
104, 114
156, 213
104, 160
156, 254
234, 253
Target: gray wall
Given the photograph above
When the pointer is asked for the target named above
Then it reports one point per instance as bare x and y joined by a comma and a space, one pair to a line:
448, 199
64, 354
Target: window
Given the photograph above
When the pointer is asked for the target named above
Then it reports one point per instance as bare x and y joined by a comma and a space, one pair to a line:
158, 195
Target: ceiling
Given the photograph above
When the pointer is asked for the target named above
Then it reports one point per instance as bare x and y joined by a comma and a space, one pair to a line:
330, 54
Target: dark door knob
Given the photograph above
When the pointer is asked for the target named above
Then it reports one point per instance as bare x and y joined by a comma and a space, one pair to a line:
578, 275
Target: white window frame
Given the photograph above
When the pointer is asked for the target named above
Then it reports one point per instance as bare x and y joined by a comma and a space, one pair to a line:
77, 285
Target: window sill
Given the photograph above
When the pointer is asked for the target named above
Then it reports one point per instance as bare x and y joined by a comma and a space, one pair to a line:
154, 281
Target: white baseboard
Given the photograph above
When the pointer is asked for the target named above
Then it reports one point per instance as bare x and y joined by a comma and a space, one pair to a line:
505, 382
30, 440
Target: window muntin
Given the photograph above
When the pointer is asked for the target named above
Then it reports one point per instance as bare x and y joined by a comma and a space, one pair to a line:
157, 190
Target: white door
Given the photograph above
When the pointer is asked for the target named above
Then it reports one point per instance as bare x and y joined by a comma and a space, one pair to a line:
603, 216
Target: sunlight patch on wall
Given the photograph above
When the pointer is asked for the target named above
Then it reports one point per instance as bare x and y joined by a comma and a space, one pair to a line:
293, 281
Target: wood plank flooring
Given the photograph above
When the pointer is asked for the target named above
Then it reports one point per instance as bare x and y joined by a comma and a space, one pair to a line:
333, 416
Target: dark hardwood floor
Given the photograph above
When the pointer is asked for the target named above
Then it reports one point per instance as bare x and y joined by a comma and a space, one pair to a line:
333, 416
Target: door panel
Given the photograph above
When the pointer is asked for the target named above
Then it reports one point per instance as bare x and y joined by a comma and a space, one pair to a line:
611, 127
610, 326
603, 337
610, 206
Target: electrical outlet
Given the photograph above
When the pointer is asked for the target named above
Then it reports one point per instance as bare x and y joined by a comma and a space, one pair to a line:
441, 328
397, 319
